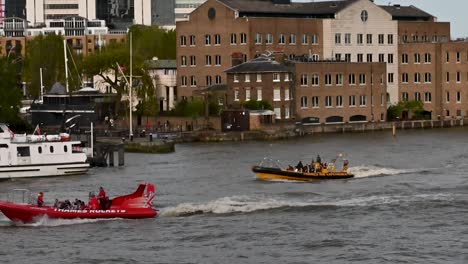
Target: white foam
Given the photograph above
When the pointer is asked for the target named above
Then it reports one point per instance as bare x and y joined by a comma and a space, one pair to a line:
45, 221
246, 204
370, 171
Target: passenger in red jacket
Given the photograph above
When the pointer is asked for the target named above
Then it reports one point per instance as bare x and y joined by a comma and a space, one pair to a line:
93, 203
102, 193
40, 199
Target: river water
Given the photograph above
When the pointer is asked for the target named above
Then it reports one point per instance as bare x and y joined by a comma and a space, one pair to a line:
407, 204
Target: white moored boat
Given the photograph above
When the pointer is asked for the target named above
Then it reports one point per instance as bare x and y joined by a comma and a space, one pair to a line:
39, 156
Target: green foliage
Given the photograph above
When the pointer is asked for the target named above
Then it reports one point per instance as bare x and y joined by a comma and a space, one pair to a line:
195, 108
415, 110
257, 105
46, 52
148, 42
10, 99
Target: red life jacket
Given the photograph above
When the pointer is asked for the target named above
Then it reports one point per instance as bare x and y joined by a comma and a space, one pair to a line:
93, 203
102, 194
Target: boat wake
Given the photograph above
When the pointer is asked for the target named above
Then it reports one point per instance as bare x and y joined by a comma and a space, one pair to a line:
247, 204
47, 222
374, 171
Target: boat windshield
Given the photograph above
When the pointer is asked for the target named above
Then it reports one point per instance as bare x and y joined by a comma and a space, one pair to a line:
269, 162
20, 196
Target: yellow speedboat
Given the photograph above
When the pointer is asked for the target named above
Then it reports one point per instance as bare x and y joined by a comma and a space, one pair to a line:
270, 173
272, 170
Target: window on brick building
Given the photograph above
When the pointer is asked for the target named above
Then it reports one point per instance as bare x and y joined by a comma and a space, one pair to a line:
258, 38
236, 94
236, 78
352, 100
208, 80
458, 56
315, 101
259, 94
192, 40
417, 77
183, 60
183, 41
315, 39
328, 79
328, 101
352, 79
315, 79
207, 60
390, 77
447, 97
362, 100
427, 58
417, 58
218, 79
417, 96
404, 58
339, 79
193, 81
427, 77
247, 94
217, 39
276, 77
259, 77
458, 77
193, 61
458, 97
183, 80
339, 101
404, 77
269, 39
276, 94
247, 77
292, 39
233, 39
303, 79
447, 76
207, 40
243, 38
304, 39
281, 39
404, 96
362, 78
218, 60
304, 102
427, 97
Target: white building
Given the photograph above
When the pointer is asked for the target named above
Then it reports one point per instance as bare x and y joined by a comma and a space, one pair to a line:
183, 8
164, 75
364, 32
41, 11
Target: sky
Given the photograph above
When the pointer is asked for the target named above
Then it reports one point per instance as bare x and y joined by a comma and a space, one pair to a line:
453, 11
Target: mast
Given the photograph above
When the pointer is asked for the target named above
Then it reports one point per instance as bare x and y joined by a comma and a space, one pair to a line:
131, 86
42, 86
66, 63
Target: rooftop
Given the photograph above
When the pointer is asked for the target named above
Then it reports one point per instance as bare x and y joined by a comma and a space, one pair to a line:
260, 64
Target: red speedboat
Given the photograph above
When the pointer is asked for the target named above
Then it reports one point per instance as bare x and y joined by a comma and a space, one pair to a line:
133, 206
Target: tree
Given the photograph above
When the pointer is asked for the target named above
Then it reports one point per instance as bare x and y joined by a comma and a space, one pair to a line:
148, 42
46, 52
10, 99
415, 110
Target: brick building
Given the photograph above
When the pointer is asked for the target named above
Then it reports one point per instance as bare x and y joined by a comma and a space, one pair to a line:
351, 30
323, 91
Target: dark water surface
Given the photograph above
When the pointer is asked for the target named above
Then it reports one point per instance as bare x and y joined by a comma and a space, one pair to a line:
408, 204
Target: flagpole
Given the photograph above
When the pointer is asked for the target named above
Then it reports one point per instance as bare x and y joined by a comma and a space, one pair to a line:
131, 87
